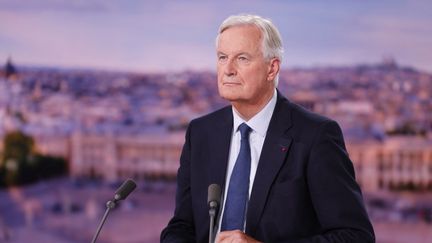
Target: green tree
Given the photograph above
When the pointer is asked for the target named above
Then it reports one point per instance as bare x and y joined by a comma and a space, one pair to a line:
16, 161
20, 164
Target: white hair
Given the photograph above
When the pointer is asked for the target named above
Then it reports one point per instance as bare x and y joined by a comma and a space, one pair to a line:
271, 41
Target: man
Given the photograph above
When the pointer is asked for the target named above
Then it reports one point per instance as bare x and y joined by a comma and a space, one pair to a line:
284, 172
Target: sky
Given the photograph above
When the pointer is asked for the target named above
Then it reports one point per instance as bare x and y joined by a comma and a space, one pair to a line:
132, 35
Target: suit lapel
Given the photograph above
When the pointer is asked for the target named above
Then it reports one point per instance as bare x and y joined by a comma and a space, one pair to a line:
273, 154
220, 149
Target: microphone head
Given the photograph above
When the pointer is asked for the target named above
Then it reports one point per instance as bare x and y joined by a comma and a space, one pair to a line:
214, 194
124, 190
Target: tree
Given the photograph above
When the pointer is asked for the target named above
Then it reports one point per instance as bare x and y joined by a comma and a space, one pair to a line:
17, 157
20, 164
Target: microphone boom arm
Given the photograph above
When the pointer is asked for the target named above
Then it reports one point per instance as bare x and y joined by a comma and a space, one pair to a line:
125, 189
110, 205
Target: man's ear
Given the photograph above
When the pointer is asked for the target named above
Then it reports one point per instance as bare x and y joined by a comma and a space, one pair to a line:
273, 69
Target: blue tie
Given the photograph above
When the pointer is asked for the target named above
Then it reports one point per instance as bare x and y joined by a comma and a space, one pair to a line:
238, 190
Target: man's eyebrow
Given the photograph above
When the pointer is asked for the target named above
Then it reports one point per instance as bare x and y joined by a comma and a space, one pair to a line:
244, 53
236, 54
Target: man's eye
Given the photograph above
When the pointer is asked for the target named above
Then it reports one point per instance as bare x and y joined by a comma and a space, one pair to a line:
243, 59
222, 58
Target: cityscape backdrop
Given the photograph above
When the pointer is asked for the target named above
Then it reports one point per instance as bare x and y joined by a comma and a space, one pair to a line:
94, 92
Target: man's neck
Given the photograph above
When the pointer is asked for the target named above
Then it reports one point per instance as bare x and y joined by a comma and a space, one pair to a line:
248, 110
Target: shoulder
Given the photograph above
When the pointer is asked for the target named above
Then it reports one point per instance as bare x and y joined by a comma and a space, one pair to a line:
301, 115
298, 114
215, 118
307, 125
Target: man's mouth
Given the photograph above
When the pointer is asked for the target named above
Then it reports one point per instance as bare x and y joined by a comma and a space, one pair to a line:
231, 83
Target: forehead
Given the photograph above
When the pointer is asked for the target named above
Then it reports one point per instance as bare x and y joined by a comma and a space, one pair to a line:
245, 38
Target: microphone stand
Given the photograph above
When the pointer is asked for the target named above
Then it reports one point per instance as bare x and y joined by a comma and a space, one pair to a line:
213, 200
212, 213
110, 205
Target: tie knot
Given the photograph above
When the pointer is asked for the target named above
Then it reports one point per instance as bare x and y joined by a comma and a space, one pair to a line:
244, 130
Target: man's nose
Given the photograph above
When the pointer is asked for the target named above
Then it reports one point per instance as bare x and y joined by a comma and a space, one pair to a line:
230, 68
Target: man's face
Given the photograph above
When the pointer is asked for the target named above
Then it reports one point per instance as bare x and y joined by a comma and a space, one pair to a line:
244, 76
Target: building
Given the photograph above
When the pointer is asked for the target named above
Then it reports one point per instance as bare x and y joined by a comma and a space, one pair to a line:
400, 163
116, 157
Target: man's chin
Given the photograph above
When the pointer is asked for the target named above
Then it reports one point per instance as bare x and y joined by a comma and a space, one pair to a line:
229, 96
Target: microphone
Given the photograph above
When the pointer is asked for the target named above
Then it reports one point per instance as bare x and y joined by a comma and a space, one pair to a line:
122, 192
213, 200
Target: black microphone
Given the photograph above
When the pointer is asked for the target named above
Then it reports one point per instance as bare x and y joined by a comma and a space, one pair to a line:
122, 192
213, 200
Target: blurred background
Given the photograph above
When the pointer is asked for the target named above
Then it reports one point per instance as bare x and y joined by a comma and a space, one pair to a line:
96, 91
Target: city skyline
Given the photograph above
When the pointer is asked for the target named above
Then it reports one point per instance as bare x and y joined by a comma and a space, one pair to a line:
174, 36
113, 125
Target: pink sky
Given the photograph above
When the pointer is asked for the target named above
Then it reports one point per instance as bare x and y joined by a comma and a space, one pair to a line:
176, 35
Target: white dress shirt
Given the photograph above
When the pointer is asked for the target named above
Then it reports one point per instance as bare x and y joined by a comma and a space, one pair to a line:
259, 125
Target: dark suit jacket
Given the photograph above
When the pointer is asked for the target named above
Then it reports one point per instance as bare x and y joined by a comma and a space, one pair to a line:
304, 188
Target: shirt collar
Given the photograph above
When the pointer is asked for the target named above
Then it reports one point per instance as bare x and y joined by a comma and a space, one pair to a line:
260, 122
